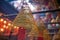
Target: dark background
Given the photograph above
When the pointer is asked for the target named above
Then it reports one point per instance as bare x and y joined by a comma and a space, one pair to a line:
58, 1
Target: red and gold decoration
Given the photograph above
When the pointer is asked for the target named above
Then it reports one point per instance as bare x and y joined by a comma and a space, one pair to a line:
6, 27
25, 20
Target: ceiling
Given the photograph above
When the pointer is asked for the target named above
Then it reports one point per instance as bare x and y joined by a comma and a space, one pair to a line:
7, 9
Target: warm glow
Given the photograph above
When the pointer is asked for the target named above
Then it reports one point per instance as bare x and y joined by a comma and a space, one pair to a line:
9, 24
4, 22
4, 26
15, 27
2, 29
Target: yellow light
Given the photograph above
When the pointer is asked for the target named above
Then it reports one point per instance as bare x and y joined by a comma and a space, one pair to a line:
2, 29
4, 22
1, 19
15, 27
9, 24
4, 26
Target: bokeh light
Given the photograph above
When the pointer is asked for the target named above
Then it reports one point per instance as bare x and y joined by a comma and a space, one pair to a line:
2, 30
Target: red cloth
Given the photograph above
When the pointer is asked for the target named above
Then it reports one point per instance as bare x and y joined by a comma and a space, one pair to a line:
21, 33
40, 38
7, 32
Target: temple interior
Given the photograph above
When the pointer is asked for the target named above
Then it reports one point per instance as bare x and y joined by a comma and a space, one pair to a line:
29, 20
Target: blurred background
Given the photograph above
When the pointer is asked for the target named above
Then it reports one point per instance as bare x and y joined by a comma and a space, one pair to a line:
47, 11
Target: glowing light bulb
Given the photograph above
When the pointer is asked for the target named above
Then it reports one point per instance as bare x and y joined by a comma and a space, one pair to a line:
9, 24
15, 27
4, 26
2, 20
5, 22
2, 29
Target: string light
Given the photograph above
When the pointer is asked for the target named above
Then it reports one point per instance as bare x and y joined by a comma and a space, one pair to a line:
4, 26
15, 27
2, 29
9, 24
2, 20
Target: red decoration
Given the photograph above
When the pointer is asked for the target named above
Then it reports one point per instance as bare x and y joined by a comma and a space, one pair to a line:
21, 33
40, 38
